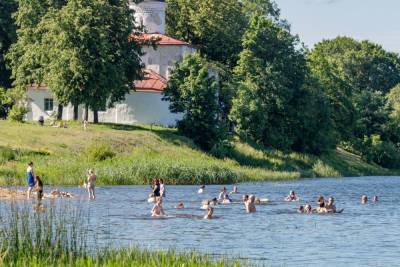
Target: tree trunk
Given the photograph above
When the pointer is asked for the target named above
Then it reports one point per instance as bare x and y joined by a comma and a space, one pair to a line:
86, 114
95, 116
59, 112
76, 111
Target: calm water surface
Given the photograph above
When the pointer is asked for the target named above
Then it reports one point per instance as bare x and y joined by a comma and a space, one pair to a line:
363, 235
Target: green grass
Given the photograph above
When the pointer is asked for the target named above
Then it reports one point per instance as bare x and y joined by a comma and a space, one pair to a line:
122, 154
58, 236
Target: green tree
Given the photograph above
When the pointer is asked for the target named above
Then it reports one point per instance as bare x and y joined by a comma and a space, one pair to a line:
196, 91
7, 37
215, 27
270, 74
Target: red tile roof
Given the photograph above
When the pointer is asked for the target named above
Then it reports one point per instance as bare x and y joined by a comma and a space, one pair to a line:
152, 81
159, 39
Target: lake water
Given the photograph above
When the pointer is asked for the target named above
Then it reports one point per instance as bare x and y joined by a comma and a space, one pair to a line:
363, 235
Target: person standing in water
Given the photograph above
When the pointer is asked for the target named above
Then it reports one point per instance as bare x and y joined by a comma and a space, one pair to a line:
30, 179
91, 183
39, 187
162, 188
158, 210
156, 187
209, 214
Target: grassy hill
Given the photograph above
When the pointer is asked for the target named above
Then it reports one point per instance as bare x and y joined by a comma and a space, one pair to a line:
123, 154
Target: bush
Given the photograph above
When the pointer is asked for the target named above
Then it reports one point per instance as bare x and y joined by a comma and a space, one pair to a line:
222, 149
381, 152
17, 113
100, 152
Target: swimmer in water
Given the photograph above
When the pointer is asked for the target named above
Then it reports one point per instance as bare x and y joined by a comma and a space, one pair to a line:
180, 206
364, 199
201, 189
234, 190
376, 199
209, 214
158, 210
214, 201
205, 204
39, 188
250, 204
226, 199
300, 209
308, 209
330, 206
292, 197
222, 194
321, 205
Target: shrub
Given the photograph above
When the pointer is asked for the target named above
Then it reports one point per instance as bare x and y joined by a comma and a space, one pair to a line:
17, 113
99, 152
222, 149
6, 154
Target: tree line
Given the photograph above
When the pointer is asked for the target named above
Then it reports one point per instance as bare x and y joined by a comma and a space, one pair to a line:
251, 76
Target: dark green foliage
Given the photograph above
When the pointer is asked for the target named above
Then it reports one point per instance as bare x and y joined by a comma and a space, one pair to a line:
270, 74
195, 89
100, 152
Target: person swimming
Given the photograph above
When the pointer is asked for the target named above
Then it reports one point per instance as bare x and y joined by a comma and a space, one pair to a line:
292, 197
222, 194
209, 214
201, 189
226, 199
249, 203
180, 205
308, 209
205, 204
364, 199
300, 209
158, 210
214, 201
234, 190
375, 199
330, 206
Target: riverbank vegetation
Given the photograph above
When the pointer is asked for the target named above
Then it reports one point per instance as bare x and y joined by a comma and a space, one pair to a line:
123, 154
57, 235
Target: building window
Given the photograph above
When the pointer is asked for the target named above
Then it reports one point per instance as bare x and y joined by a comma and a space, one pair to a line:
48, 104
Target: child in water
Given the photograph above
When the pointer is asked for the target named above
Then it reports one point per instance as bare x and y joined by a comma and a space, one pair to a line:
180, 206
364, 199
250, 203
158, 210
39, 187
201, 189
376, 199
226, 199
292, 196
91, 183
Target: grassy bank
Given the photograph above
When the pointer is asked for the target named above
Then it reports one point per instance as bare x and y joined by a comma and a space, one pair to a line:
134, 154
58, 236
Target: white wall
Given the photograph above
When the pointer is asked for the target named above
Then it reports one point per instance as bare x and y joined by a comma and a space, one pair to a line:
151, 14
139, 107
163, 58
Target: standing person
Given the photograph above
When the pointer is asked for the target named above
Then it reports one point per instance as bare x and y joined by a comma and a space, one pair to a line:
162, 188
222, 193
91, 183
158, 210
39, 187
30, 179
156, 187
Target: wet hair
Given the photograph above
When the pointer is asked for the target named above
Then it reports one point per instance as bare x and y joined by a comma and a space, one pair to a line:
214, 199
321, 198
301, 208
203, 186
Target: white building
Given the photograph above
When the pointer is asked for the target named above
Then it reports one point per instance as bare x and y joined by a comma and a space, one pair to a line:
144, 105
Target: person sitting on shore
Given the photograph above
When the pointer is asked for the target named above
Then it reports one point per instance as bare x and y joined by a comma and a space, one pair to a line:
292, 197
364, 199
375, 199
234, 190
180, 206
39, 188
158, 210
209, 214
222, 194
330, 206
226, 199
201, 189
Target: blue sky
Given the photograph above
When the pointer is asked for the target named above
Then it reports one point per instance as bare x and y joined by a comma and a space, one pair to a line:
314, 20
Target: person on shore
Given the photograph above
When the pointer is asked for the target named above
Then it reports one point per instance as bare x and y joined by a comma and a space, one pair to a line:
375, 199
234, 190
91, 183
292, 197
330, 206
158, 210
39, 188
162, 188
222, 194
30, 179
364, 199
209, 214
201, 189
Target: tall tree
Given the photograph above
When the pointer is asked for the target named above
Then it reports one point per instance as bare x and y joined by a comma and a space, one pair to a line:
196, 91
270, 73
7, 37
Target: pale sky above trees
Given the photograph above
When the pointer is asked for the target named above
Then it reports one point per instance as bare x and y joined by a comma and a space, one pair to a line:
314, 20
